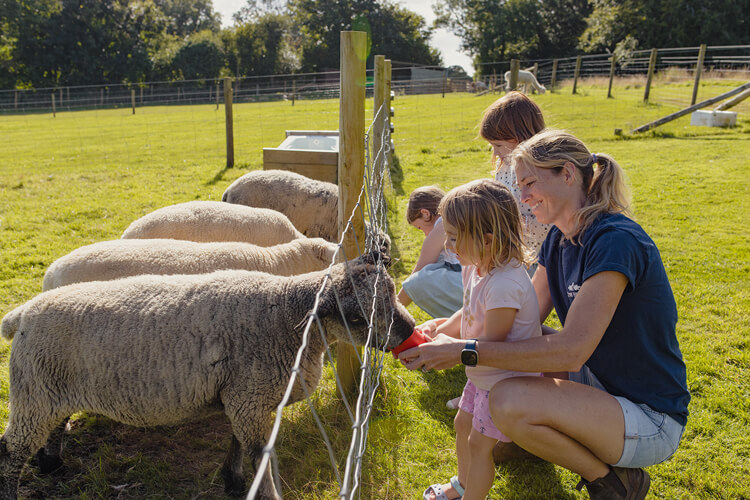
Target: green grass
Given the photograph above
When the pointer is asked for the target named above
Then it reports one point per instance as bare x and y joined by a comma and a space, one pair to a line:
84, 176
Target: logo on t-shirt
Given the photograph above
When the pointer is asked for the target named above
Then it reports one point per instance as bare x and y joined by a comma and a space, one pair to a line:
573, 290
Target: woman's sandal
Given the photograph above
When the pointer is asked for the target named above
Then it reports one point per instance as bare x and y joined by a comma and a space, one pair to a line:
440, 494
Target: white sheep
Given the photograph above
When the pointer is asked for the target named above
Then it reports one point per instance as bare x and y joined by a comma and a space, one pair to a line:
311, 205
525, 78
109, 260
159, 350
205, 221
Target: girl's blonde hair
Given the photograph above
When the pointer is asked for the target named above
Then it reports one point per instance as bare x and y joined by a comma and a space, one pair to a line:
602, 178
425, 197
513, 117
481, 207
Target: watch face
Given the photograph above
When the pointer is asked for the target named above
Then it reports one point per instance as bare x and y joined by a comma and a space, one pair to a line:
469, 357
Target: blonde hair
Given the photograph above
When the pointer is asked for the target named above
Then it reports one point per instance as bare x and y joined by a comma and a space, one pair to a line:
602, 178
481, 207
425, 197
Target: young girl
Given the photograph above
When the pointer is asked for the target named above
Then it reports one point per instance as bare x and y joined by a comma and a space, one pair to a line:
483, 228
435, 283
507, 122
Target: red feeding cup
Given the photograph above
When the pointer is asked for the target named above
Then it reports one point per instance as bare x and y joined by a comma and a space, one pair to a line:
417, 337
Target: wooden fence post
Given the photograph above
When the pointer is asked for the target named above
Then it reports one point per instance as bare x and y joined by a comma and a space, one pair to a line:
53, 105
650, 76
132, 99
611, 75
698, 69
553, 80
217, 94
515, 65
229, 121
351, 169
378, 125
577, 73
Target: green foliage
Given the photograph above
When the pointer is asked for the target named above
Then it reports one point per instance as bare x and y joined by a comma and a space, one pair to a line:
259, 45
498, 31
201, 56
185, 17
654, 23
392, 30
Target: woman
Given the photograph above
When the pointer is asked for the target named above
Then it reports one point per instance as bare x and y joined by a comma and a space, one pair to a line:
620, 403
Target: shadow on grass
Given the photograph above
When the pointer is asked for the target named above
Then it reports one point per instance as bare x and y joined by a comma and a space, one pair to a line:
397, 176
221, 173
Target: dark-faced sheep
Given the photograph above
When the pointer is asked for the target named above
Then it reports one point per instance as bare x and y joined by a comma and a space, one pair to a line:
205, 221
159, 350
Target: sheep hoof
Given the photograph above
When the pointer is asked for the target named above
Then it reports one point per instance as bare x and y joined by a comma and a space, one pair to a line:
234, 484
48, 463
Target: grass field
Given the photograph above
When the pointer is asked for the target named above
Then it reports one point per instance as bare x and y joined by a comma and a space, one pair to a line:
84, 176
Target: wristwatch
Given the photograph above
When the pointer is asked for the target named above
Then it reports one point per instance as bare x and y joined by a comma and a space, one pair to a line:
470, 356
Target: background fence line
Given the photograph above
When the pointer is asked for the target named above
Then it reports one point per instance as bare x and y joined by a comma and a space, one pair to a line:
407, 80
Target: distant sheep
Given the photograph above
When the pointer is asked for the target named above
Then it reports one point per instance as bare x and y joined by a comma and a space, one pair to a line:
109, 260
311, 205
525, 78
205, 221
159, 350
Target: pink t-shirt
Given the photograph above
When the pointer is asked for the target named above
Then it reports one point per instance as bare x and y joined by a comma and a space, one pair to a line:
509, 286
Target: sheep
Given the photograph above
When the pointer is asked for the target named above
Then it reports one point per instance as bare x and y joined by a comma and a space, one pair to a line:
525, 78
159, 350
311, 205
205, 221
109, 260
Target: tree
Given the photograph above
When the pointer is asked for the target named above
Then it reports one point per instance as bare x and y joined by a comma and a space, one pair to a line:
396, 32
493, 30
69, 42
200, 57
258, 46
678, 23
185, 17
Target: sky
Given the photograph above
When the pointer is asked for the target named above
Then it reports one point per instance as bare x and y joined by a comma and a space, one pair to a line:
443, 40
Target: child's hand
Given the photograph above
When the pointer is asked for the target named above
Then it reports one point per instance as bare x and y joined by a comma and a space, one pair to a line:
429, 327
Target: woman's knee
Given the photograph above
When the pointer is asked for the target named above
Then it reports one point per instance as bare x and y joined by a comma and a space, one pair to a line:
508, 403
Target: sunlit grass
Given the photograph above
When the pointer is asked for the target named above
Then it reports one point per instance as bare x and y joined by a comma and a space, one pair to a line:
83, 177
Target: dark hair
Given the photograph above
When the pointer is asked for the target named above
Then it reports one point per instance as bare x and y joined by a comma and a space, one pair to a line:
425, 197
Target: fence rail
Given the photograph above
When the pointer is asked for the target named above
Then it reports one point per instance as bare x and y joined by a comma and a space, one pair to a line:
729, 59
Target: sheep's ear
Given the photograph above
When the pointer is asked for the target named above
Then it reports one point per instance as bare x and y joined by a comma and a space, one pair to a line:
376, 256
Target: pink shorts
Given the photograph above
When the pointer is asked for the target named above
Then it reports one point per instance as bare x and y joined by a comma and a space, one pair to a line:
477, 402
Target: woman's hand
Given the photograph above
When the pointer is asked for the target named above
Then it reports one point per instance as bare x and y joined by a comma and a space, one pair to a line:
442, 353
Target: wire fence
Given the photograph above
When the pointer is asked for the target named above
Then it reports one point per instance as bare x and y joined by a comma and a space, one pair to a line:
730, 60
371, 209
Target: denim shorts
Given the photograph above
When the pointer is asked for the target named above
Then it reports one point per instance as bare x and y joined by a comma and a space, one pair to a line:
650, 436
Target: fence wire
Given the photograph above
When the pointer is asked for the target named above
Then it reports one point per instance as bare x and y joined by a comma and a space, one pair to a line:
371, 210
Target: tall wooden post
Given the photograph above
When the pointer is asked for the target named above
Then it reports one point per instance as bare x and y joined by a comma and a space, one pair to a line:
132, 99
379, 118
650, 76
698, 69
613, 62
351, 168
229, 121
53, 105
553, 80
577, 73
515, 65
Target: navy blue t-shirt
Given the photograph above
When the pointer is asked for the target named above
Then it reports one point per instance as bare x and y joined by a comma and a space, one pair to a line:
638, 357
